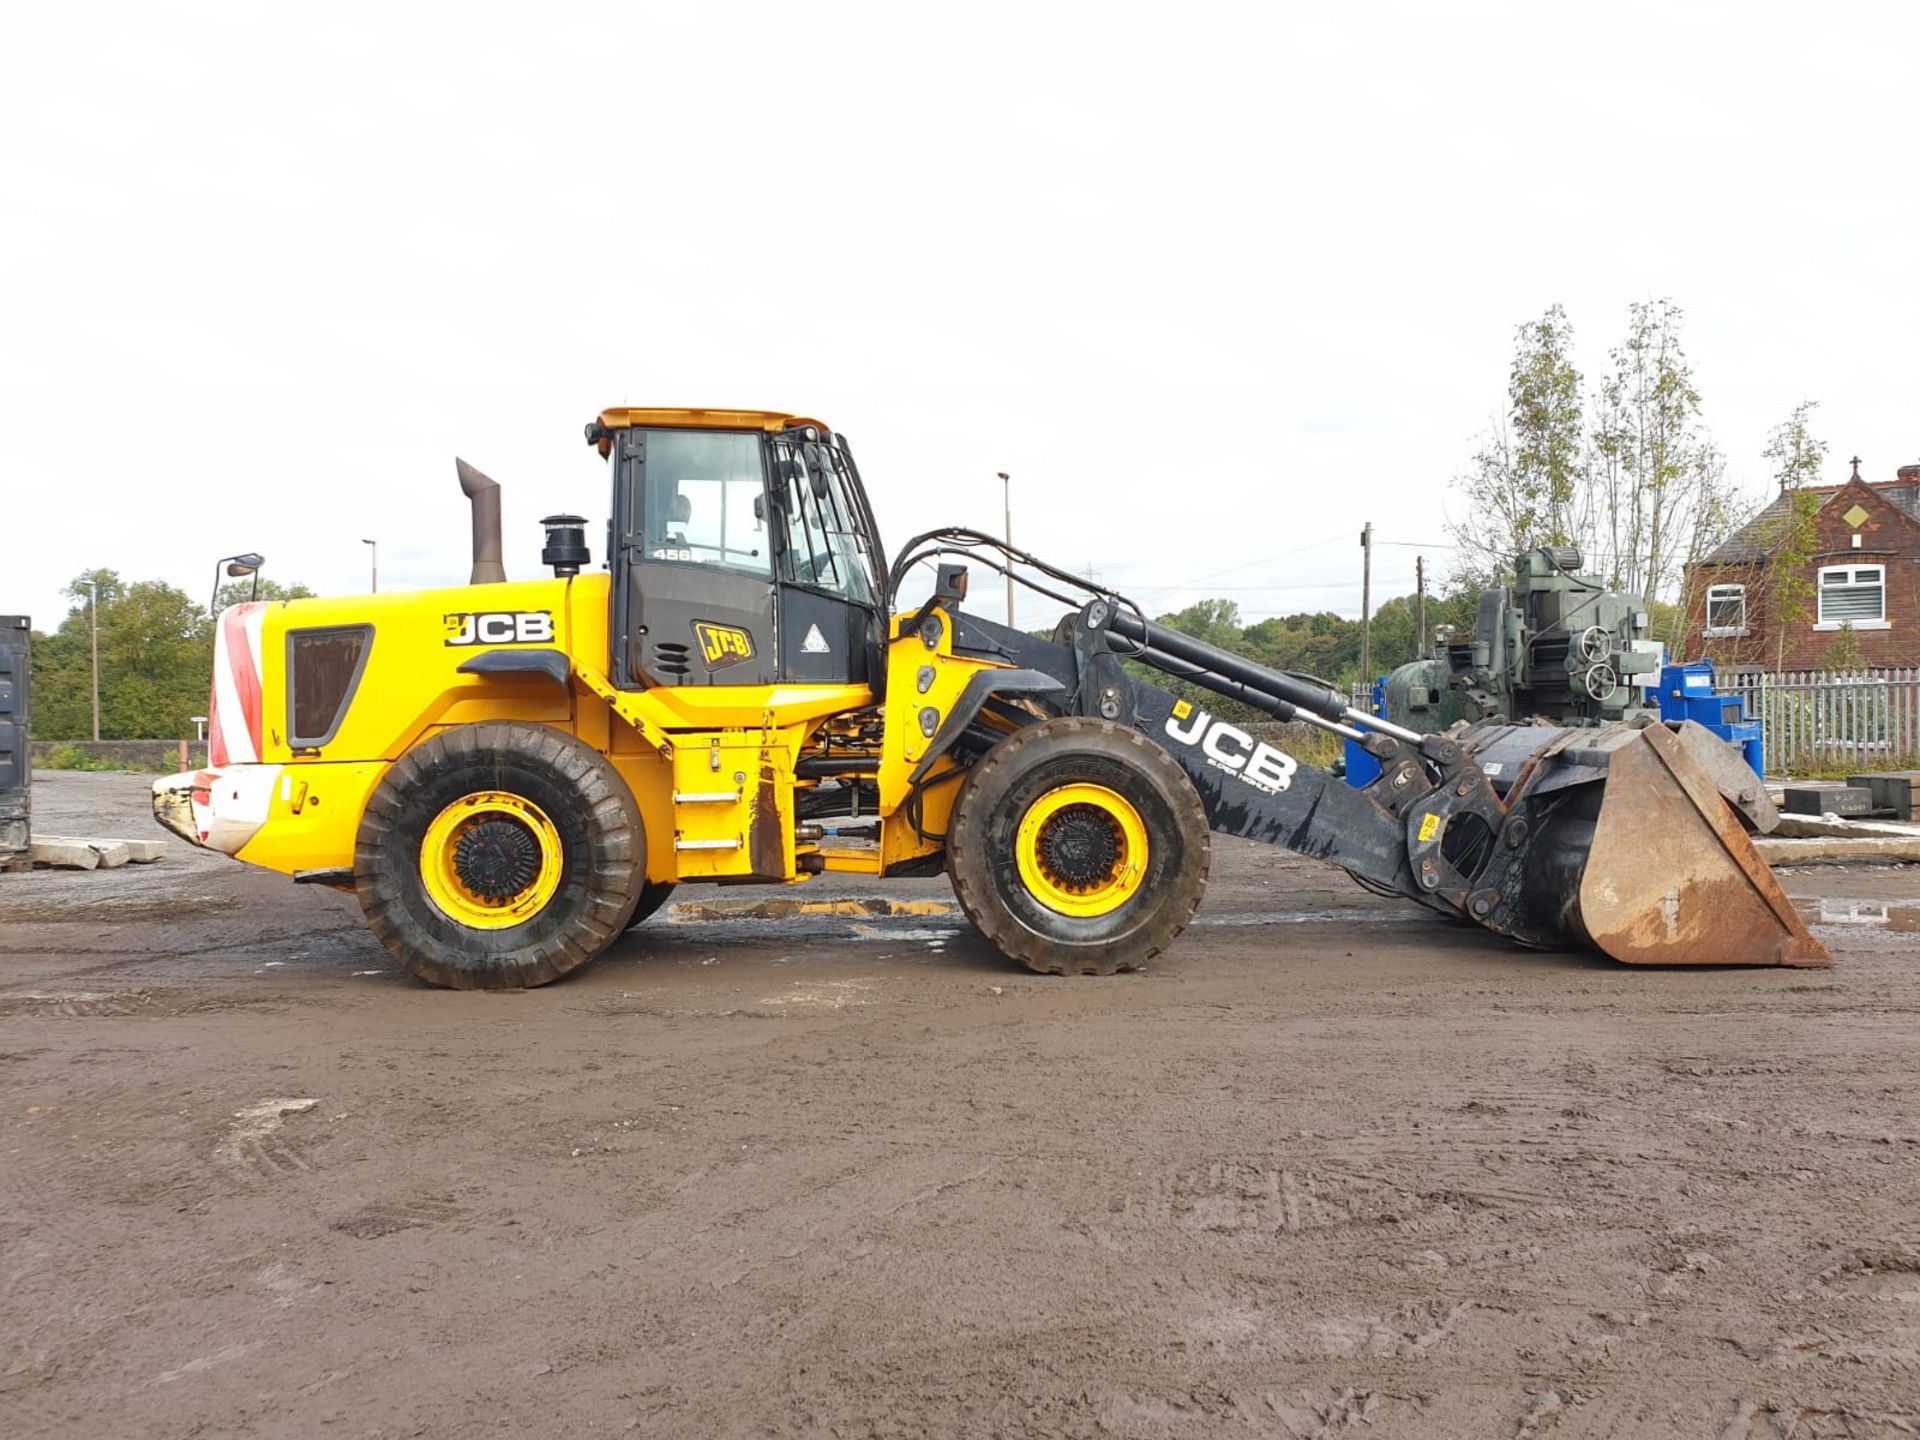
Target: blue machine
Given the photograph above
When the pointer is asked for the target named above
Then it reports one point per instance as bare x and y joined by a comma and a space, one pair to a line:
1687, 693
1362, 768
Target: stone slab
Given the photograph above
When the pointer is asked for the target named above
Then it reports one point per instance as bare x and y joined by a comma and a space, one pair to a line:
65, 855
1883, 849
138, 852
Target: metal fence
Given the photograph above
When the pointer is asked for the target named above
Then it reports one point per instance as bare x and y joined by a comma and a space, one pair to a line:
1814, 721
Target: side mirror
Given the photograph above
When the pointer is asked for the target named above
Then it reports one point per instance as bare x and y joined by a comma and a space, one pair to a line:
817, 471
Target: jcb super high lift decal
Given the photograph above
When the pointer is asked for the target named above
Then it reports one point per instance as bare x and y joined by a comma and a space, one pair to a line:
1229, 748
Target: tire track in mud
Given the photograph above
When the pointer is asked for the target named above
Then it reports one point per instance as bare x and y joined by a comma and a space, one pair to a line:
1274, 1189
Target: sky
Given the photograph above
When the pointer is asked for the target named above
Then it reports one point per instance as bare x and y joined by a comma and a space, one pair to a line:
1216, 285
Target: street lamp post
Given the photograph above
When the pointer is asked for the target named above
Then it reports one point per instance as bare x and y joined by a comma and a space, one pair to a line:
1006, 496
375, 562
93, 624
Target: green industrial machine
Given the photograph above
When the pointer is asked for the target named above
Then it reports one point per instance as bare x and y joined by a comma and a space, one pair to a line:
1555, 645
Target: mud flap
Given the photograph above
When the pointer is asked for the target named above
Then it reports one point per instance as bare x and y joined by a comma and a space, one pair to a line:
1672, 878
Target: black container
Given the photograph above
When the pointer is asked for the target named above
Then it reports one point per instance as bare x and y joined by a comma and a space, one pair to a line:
1828, 800
1897, 792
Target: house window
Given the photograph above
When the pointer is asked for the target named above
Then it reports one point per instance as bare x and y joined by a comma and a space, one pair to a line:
1726, 610
1853, 595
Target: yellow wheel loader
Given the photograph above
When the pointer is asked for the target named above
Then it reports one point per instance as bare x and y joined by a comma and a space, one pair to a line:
511, 774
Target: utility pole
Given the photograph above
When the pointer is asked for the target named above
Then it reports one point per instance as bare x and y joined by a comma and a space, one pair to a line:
1420, 587
1366, 605
1006, 495
93, 623
375, 563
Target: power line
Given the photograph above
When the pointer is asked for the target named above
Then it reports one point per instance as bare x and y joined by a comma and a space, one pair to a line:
1235, 589
1297, 550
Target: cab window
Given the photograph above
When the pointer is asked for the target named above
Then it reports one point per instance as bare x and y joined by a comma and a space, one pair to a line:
823, 547
703, 500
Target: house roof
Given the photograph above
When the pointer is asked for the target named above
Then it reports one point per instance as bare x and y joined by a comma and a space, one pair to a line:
1756, 539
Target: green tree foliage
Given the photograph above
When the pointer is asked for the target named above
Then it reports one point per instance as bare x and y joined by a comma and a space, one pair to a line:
1844, 655
1796, 456
1633, 477
1658, 497
1779, 582
1523, 485
1215, 621
236, 592
1311, 643
156, 659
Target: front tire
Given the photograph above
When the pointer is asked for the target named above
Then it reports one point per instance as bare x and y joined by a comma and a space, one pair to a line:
1078, 847
652, 897
499, 856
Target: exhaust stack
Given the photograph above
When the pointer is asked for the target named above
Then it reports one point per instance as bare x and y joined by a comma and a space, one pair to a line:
485, 495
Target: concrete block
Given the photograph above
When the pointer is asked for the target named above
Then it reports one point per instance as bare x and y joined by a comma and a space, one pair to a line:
65, 854
1882, 849
115, 852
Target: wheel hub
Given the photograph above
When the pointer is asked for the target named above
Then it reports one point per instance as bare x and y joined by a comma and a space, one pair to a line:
1081, 850
491, 860
1080, 846
496, 859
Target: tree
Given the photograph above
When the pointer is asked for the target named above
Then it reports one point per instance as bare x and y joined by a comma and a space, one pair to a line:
1657, 484
1796, 456
1845, 655
1215, 621
1524, 484
235, 592
156, 659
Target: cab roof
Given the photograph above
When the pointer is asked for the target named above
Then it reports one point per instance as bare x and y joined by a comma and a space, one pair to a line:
625, 417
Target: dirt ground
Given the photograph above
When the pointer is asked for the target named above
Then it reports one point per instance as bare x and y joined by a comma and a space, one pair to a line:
1330, 1166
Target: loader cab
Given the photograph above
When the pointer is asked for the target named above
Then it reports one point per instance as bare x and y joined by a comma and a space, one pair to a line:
743, 552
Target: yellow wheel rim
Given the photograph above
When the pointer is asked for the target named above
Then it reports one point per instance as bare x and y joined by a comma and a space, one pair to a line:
1082, 850
491, 860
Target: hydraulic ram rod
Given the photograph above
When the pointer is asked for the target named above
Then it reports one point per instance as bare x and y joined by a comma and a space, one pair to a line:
1145, 636
1233, 689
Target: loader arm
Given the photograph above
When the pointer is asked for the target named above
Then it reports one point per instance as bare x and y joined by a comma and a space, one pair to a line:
1617, 838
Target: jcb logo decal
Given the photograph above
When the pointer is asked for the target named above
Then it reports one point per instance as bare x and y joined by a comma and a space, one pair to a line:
722, 645
1229, 748
500, 627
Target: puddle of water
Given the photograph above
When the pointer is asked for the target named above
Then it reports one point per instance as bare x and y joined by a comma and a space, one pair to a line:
911, 932
1318, 917
688, 912
1880, 914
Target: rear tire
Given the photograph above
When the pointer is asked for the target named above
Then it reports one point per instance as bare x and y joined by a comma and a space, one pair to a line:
1078, 847
498, 856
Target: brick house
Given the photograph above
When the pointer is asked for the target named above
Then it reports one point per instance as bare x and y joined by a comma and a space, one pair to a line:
1862, 576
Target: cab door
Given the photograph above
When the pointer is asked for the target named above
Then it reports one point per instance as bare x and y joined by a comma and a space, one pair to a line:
827, 562
694, 564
